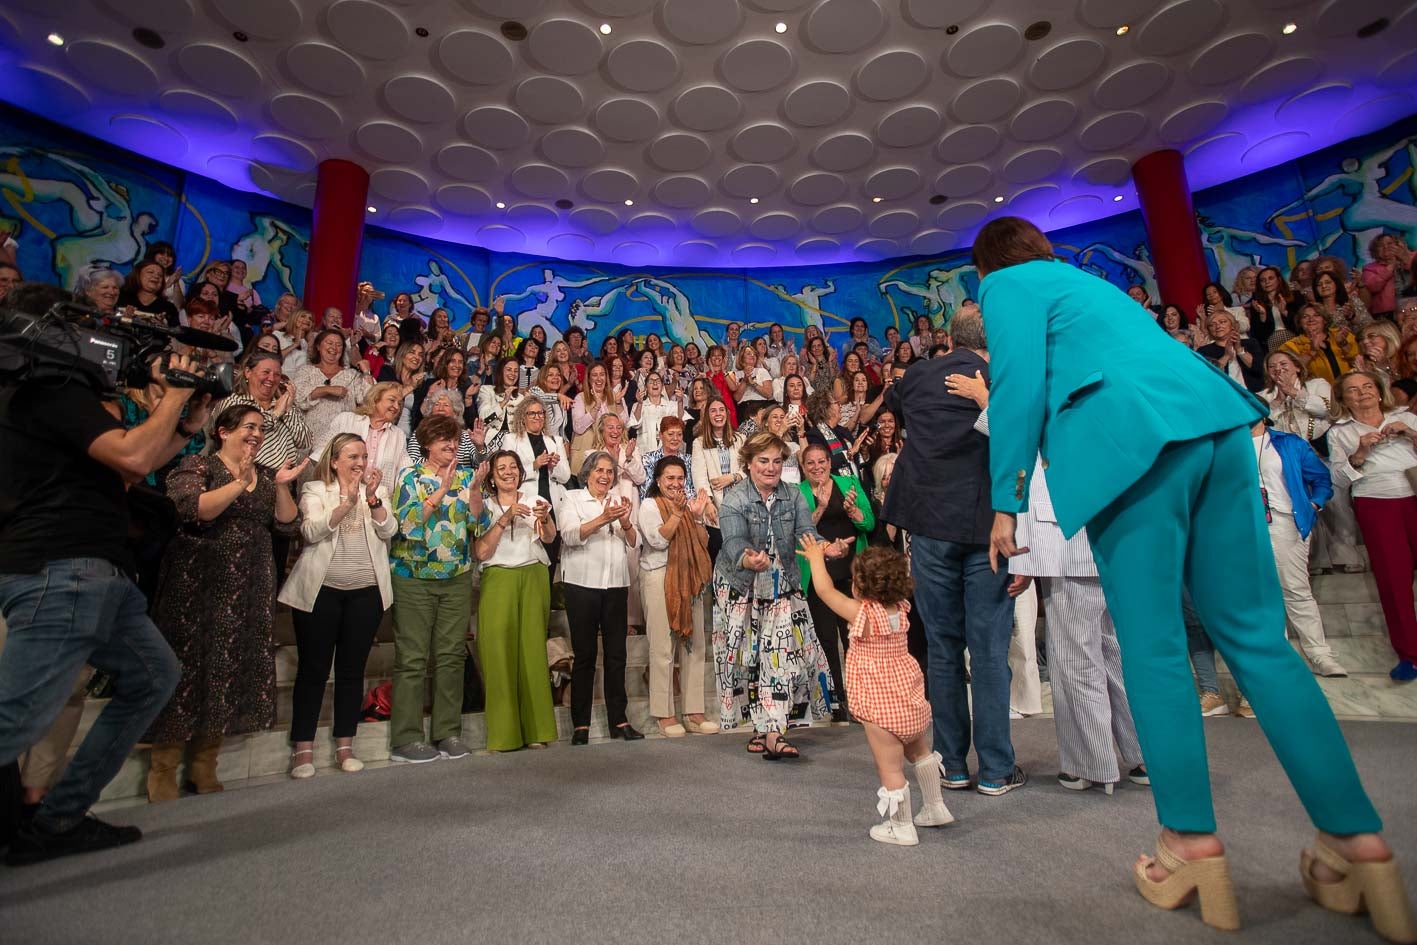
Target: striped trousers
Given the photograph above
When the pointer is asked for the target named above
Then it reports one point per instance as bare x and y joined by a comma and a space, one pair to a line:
1090, 707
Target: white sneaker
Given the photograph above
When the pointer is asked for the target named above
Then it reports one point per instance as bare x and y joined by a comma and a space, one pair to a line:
1329, 667
897, 828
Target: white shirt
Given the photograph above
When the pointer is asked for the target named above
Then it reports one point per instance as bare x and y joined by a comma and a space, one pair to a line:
598, 561
1272, 475
519, 544
650, 415
747, 392
1305, 415
654, 547
1384, 475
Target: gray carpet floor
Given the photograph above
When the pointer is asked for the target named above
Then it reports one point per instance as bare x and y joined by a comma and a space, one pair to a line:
687, 841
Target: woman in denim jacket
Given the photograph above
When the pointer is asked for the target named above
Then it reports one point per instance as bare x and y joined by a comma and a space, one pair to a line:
768, 664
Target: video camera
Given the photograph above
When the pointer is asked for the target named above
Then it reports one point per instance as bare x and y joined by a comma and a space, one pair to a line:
72, 341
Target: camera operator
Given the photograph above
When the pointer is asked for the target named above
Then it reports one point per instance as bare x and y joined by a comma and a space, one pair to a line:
65, 587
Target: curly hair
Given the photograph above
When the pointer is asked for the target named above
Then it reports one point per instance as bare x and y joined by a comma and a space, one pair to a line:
882, 574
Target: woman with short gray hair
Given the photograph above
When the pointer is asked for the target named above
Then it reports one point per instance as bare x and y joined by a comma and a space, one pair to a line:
101, 287
597, 532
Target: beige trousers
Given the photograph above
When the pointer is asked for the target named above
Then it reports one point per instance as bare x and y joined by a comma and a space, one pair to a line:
662, 646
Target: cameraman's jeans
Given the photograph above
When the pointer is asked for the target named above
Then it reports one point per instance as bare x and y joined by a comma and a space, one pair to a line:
963, 604
77, 611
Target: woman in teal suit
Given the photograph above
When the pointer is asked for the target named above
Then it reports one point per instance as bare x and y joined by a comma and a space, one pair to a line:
1148, 446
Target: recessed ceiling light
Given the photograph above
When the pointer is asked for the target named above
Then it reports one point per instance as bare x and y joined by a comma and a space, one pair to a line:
629, 203
752, 199
1123, 30
998, 199
1117, 199
1290, 28
605, 28
781, 27
55, 39
372, 209
501, 205
875, 199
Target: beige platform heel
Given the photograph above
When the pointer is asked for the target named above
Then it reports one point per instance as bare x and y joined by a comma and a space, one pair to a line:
1372, 887
1206, 879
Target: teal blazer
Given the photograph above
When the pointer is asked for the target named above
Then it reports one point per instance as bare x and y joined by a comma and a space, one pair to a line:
1080, 373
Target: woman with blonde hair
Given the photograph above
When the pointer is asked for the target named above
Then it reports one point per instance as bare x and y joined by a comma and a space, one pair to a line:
596, 399
337, 591
1378, 344
375, 421
324, 387
294, 338
1327, 351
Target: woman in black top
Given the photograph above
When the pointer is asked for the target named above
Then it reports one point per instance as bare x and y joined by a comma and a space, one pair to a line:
143, 291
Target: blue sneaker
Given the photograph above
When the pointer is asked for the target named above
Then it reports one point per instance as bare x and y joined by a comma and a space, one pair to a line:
1404, 671
954, 782
1016, 779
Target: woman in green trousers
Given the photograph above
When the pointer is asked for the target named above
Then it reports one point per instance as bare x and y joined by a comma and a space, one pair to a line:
513, 610
1148, 446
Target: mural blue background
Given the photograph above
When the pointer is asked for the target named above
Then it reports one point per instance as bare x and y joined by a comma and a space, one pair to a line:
73, 202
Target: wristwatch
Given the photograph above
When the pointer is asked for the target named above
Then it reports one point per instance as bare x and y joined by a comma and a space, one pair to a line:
376, 503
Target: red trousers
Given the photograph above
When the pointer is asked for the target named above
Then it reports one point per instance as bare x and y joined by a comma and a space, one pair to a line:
1389, 529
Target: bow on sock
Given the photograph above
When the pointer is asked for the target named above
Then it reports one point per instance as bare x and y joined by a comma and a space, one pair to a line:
889, 802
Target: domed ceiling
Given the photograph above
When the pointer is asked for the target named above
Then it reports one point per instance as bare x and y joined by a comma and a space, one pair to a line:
714, 132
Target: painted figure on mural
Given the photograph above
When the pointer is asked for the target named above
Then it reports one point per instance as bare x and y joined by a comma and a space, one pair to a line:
1140, 264
106, 233
1232, 250
263, 249
585, 311
1371, 209
943, 291
435, 291
548, 295
674, 308
809, 300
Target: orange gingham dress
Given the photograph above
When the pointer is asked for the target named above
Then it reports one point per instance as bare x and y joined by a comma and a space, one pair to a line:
884, 685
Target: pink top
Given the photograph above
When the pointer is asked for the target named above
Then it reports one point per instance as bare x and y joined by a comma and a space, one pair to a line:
1378, 278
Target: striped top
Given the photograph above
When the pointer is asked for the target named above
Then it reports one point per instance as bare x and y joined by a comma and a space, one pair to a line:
351, 567
287, 438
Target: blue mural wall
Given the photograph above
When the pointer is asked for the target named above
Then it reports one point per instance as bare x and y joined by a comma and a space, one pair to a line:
72, 202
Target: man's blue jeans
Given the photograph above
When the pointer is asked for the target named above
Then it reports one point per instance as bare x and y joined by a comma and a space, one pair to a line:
77, 611
964, 604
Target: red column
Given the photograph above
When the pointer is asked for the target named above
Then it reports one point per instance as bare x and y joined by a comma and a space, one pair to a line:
1171, 229
336, 235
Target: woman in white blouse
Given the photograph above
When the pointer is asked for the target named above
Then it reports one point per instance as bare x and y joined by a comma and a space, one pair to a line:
325, 388
496, 402
672, 525
375, 421
337, 591
652, 404
610, 437
751, 384
294, 339
715, 464
597, 530
1373, 446
513, 610
1300, 404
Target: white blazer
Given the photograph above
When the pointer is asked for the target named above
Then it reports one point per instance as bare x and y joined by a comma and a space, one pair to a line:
318, 500
706, 464
560, 473
393, 445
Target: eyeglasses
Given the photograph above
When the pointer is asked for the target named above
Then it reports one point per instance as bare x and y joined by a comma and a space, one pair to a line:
535, 413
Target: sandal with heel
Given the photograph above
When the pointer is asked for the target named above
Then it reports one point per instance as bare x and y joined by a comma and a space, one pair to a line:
1372, 887
1206, 879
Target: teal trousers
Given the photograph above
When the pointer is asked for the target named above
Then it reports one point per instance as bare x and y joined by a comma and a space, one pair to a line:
1196, 518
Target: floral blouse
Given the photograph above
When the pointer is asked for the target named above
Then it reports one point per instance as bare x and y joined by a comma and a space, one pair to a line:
441, 546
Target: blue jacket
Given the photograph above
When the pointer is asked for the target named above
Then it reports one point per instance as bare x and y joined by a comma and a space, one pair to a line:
1081, 375
743, 520
1305, 476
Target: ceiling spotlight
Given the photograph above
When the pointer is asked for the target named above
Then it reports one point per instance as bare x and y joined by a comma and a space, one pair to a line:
501, 205
55, 39
1123, 30
605, 29
752, 199
781, 27
1117, 199
629, 203
998, 199
1289, 28
875, 199
372, 209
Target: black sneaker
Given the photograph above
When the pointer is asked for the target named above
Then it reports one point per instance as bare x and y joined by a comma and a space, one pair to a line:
998, 788
34, 844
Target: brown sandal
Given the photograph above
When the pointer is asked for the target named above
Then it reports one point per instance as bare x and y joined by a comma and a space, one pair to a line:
757, 744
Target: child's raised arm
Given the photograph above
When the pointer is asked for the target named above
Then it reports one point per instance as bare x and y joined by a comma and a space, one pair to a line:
841, 604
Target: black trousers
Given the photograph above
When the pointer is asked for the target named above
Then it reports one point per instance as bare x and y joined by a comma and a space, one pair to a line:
597, 617
339, 630
830, 629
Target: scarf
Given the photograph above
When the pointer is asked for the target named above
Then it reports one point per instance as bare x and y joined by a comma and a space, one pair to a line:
688, 570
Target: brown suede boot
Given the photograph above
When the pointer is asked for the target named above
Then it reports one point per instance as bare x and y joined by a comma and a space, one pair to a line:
162, 772
201, 765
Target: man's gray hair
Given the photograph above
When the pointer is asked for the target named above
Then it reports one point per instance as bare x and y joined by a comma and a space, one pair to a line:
967, 328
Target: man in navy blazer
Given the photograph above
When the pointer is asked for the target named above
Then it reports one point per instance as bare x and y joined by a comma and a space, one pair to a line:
939, 493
